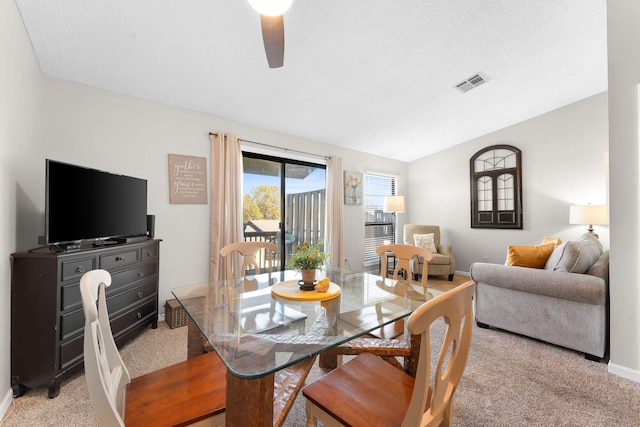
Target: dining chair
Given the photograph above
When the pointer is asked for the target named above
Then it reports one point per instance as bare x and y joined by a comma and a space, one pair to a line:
402, 271
190, 392
386, 341
250, 252
261, 316
367, 391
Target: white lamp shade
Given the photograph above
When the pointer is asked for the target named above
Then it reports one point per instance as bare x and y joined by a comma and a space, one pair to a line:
271, 7
588, 215
393, 204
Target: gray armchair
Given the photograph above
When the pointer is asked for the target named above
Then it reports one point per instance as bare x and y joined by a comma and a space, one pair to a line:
443, 262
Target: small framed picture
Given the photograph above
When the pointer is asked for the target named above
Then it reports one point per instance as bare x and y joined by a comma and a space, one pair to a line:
352, 188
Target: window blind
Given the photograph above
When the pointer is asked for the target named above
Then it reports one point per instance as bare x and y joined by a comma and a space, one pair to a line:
379, 227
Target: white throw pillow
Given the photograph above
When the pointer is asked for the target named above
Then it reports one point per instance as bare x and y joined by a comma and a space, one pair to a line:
425, 241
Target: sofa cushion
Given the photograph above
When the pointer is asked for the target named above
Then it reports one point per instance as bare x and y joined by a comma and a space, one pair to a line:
555, 240
575, 256
529, 256
426, 241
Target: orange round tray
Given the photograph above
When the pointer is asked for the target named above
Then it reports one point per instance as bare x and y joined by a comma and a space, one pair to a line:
290, 290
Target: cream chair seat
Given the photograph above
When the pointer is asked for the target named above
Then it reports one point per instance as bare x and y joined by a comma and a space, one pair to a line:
443, 262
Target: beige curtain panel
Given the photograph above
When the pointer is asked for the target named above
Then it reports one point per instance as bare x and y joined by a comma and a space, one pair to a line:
226, 198
334, 231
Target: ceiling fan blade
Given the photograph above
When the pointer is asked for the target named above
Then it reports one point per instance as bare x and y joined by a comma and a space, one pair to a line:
273, 37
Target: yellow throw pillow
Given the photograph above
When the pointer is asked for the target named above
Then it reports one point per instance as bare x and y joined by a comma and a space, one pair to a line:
529, 256
555, 240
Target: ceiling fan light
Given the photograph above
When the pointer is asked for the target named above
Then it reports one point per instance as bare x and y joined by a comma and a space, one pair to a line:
271, 7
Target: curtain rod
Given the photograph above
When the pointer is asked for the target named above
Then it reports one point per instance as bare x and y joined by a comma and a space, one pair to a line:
279, 148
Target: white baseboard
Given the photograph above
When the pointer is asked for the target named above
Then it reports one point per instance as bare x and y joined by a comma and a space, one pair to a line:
6, 403
624, 372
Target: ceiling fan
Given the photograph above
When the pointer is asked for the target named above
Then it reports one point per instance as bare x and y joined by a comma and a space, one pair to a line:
272, 21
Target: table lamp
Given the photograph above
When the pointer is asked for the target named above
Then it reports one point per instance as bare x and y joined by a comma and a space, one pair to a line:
589, 215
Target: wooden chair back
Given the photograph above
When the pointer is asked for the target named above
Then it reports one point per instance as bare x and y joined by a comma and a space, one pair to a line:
187, 392
404, 254
107, 376
455, 307
249, 252
369, 391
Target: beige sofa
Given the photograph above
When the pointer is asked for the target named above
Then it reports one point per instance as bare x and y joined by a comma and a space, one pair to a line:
565, 303
443, 262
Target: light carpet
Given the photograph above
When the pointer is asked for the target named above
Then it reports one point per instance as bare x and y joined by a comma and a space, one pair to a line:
509, 381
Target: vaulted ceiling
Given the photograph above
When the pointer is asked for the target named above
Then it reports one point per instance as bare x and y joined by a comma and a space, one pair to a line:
373, 75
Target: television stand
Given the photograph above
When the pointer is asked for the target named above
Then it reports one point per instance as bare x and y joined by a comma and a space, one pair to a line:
47, 320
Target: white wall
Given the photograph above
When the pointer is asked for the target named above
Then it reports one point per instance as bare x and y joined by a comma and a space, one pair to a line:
562, 164
21, 174
624, 76
122, 134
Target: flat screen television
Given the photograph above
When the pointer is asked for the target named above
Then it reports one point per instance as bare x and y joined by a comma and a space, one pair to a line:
84, 205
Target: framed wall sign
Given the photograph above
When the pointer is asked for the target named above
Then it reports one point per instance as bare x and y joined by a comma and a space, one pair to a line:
187, 179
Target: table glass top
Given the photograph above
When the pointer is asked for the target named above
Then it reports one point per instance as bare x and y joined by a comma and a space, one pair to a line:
257, 332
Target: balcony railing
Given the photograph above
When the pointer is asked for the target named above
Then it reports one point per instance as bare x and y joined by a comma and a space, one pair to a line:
305, 221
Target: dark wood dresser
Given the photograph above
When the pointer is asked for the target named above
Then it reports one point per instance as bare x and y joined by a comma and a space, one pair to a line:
47, 321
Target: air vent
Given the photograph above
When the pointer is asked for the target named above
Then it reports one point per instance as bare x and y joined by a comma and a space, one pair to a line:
473, 81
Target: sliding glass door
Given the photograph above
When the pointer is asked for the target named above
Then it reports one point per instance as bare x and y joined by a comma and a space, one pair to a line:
284, 202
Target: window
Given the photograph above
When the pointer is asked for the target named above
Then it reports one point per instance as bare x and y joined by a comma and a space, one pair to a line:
379, 226
284, 203
496, 188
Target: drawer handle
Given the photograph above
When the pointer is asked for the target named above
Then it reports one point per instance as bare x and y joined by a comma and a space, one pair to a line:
79, 269
140, 273
149, 254
139, 294
139, 315
119, 258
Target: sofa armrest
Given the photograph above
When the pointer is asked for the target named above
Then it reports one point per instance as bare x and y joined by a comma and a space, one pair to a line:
601, 267
582, 288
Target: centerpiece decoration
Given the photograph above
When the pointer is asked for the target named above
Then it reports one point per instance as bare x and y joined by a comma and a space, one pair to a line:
307, 259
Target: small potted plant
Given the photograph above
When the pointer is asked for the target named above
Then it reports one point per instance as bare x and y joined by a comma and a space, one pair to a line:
307, 259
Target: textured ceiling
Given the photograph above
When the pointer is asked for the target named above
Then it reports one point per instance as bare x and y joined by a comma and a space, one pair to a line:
371, 75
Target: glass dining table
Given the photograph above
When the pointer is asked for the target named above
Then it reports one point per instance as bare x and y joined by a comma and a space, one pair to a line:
268, 331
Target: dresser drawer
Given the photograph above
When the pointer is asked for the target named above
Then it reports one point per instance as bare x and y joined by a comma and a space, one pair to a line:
122, 301
71, 323
70, 296
123, 278
141, 313
116, 260
71, 352
150, 252
75, 268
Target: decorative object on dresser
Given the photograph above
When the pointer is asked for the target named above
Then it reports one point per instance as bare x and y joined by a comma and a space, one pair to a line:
47, 321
